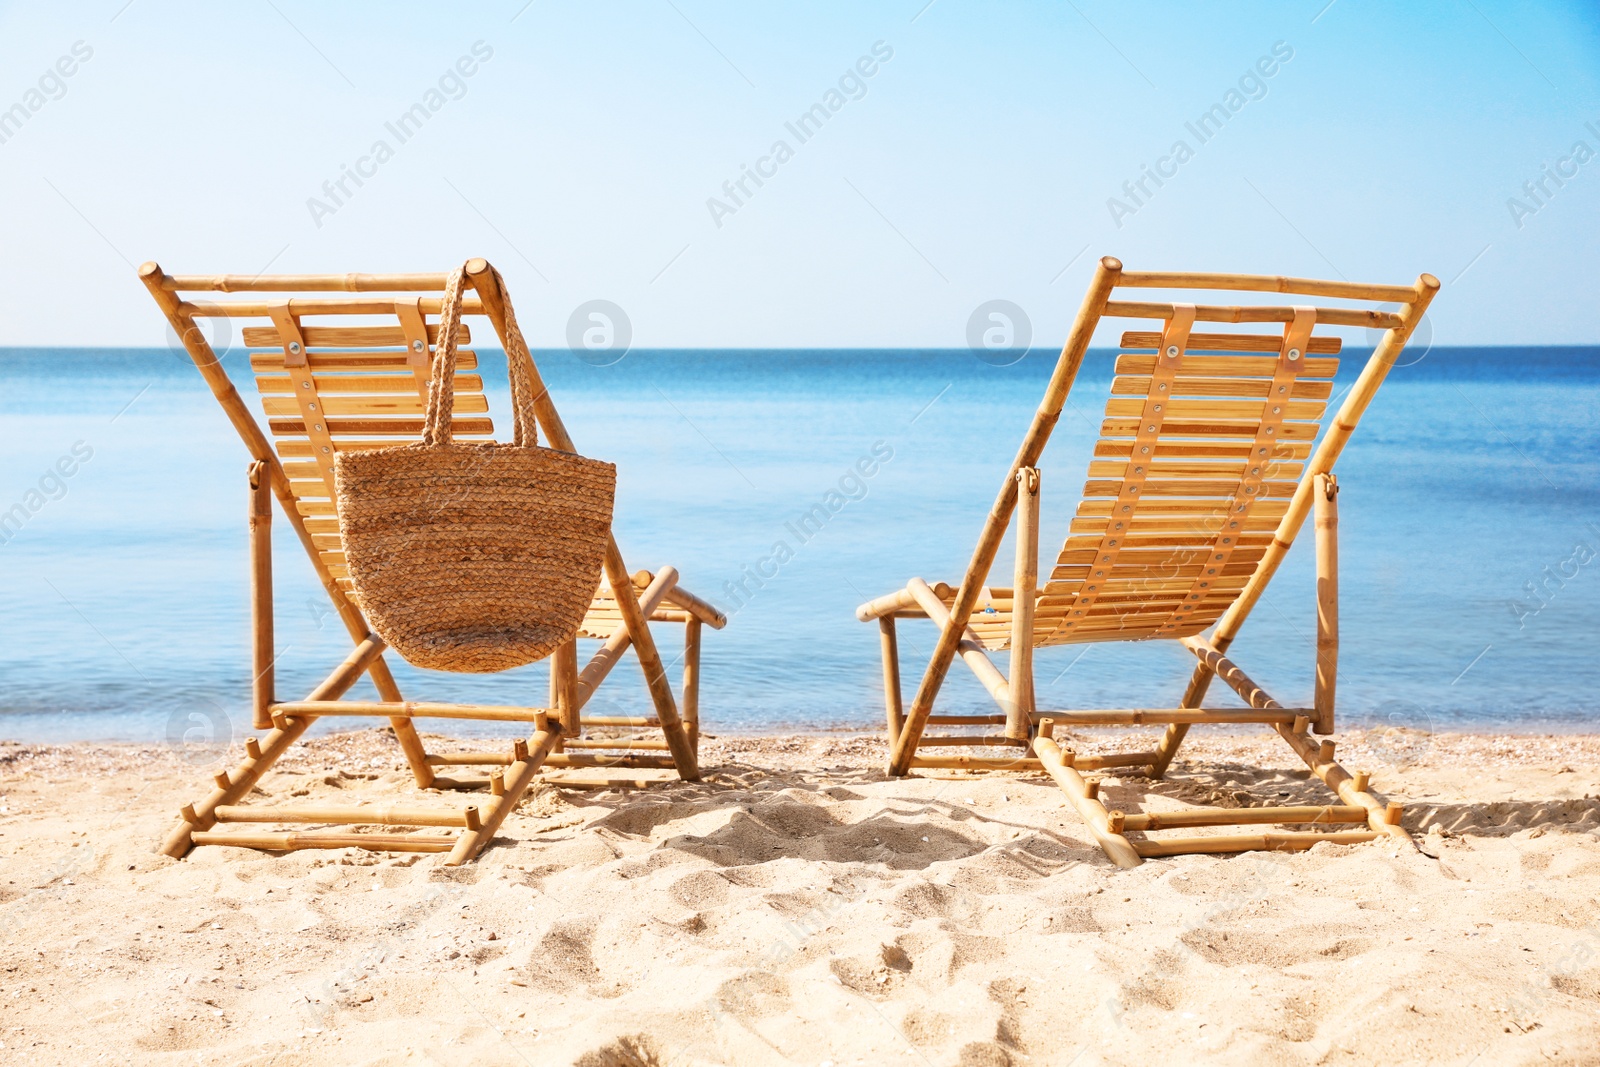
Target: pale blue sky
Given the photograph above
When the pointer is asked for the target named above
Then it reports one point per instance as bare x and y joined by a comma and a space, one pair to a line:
978, 164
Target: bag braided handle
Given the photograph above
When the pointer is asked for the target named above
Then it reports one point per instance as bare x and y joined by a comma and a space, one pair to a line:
442, 380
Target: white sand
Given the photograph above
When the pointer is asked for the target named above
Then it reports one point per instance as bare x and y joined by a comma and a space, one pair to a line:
798, 907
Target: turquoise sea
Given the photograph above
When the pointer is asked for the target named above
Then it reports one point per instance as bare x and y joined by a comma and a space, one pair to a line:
1470, 524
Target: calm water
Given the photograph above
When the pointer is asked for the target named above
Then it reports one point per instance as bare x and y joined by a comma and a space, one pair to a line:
1469, 518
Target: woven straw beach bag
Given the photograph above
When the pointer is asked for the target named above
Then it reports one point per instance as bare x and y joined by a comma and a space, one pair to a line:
474, 557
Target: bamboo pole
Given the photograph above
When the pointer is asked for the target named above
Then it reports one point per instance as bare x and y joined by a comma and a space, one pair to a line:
305, 283
1029, 763
329, 305
1265, 283
1278, 842
994, 526
594, 781
620, 744
1211, 313
293, 842
691, 681
700, 609
887, 605
205, 360
893, 709
470, 759
202, 816
1157, 716
973, 741
634, 620
1118, 849
1025, 582
1223, 667
263, 649
1327, 813
519, 775
611, 651
596, 759
977, 763
351, 814
1327, 540
564, 691
409, 709
970, 647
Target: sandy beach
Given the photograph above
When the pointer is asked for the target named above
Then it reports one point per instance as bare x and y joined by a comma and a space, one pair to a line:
797, 906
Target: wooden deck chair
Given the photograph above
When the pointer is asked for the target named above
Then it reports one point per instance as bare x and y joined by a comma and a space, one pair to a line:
1204, 473
343, 372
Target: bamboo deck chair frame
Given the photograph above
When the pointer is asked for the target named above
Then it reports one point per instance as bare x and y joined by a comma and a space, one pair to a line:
1207, 477
327, 388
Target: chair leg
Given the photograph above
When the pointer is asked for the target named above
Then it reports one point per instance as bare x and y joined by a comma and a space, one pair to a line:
405, 731
1020, 708
893, 708
636, 622
691, 682
1327, 538
264, 656
1168, 748
1195, 692
564, 691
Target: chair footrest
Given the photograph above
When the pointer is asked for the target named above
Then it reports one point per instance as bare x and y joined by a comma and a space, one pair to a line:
603, 759
291, 842
411, 709
1020, 762
1328, 813
628, 744
1164, 716
977, 740
1280, 842
348, 814
472, 759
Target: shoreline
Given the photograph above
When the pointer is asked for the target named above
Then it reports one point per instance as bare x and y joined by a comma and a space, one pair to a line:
1575, 728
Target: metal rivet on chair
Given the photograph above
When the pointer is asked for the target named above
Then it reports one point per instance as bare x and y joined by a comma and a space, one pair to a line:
1294, 354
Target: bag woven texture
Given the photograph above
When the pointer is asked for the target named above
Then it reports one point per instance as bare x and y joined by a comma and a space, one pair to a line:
474, 557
